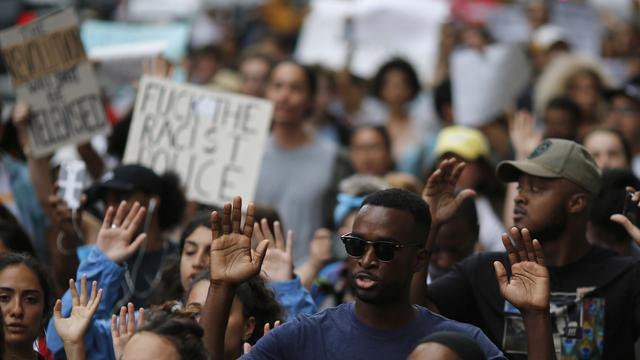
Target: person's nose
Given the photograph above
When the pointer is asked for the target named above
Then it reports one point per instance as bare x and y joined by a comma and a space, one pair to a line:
201, 260
368, 259
16, 309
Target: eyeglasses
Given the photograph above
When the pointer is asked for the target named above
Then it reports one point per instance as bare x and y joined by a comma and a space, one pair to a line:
384, 250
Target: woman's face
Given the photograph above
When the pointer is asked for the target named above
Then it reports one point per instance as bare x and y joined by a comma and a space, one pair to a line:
22, 303
606, 150
395, 89
195, 255
584, 90
369, 155
147, 345
239, 329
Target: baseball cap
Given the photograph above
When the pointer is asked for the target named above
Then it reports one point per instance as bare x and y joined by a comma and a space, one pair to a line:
548, 35
468, 143
556, 158
128, 178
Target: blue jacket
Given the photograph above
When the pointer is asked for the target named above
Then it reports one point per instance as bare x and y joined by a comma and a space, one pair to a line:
109, 275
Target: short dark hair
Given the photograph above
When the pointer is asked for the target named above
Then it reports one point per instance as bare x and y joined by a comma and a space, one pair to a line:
404, 67
179, 327
309, 74
567, 105
380, 129
14, 259
404, 200
611, 200
13, 235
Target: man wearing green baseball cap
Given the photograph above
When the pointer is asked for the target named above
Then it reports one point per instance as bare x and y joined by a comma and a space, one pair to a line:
595, 295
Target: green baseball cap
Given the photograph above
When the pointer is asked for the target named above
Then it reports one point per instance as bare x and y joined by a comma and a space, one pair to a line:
556, 158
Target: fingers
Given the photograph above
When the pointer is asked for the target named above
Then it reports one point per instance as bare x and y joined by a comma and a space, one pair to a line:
131, 320
517, 240
289, 246
501, 275
259, 253
277, 228
236, 214
511, 251
266, 231
114, 326
215, 225
93, 306
137, 221
74, 293
257, 232
463, 195
120, 213
537, 247
249, 220
457, 171
246, 348
631, 229
130, 215
135, 245
141, 319
108, 218
57, 309
226, 219
528, 245
122, 321
94, 288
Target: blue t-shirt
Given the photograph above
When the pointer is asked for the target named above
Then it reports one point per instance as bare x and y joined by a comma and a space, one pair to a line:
336, 333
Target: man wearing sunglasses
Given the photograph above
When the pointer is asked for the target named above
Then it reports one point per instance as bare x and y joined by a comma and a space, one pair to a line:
385, 247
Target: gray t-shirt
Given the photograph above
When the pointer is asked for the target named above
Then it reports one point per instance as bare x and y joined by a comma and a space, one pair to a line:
295, 183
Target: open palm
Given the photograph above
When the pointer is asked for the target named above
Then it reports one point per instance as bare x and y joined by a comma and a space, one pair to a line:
529, 286
278, 261
73, 328
118, 230
440, 194
232, 261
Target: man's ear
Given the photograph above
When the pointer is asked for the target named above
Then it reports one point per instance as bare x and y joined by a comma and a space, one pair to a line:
421, 260
578, 203
249, 327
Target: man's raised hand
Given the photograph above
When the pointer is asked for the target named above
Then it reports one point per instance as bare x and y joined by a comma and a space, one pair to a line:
440, 194
232, 261
529, 287
623, 220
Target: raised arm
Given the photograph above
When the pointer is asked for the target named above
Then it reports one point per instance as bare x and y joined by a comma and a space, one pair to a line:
73, 328
443, 202
232, 262
528, 290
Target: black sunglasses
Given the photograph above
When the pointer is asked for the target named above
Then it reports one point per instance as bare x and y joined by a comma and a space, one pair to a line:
384, 250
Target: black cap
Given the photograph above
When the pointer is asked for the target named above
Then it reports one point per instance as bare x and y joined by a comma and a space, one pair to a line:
128, 178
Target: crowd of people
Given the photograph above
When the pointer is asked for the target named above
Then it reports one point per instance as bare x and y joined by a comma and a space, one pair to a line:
381, 227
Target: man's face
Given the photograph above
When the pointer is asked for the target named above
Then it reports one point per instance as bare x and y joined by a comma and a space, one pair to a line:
624, 115
455, 241
253, 77
289, 91
380, 282
540, 205
369, 154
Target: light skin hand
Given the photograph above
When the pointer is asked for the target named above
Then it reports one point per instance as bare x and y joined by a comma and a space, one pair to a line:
267, 328
72, 329
118, 229
278, 261
523, 134
232, 261
440, 194
621, 219
529, 286
125, 328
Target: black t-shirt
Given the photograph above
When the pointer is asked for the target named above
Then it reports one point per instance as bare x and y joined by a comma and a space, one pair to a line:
594, 299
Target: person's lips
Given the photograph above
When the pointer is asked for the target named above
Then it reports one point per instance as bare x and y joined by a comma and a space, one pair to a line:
365, 280
16, 328
518, 214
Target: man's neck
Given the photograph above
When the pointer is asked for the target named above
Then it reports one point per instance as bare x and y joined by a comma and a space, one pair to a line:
566, 248
19, 353
385, 317
291, 136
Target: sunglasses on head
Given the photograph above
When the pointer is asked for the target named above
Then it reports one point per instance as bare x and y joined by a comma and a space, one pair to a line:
384, 250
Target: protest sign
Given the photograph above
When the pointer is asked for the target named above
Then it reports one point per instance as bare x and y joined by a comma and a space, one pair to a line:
50, 71
378, 29
508, 24
484, 83
581, 24
154, 10
214, 141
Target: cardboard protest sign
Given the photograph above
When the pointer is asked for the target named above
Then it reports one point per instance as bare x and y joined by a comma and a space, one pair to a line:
50, 71
214, 141
484, 83
379, 30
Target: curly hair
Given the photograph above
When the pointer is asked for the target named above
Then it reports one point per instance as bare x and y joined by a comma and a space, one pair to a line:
257, 301
179, 327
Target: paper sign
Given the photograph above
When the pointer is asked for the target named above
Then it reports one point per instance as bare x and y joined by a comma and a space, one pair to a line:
214, 141
50, 71
508, 24
484, 83
154, 10
581, 24
381, 30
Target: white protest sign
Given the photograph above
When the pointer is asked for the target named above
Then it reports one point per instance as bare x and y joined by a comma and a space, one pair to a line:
508, 24
382, 29
581, 24
484, 83
214, 141
50, 71
154, 10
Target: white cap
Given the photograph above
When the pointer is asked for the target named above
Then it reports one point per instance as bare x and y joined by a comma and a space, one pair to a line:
547, 35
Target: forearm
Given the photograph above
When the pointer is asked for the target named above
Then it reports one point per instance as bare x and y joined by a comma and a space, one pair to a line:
74, 351
539, 338
94, 162
214, 318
